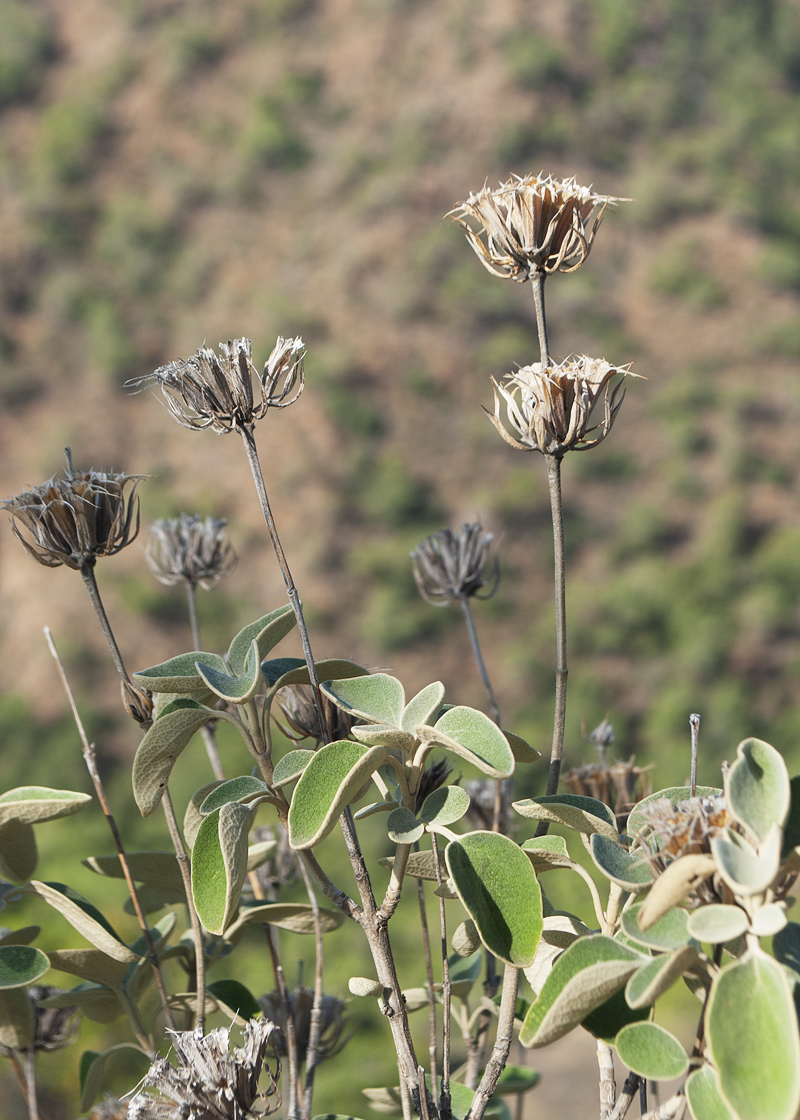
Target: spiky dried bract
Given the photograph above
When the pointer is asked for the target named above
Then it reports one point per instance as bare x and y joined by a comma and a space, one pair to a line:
533, 223
301, 714
687, 829
620, 785
190, 549
549, 409
449, 566
332, 1036
215, 391
210, 1082
78, 518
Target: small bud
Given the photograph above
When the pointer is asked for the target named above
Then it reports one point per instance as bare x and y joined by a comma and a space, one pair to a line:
363, 986
466, 939
137, 702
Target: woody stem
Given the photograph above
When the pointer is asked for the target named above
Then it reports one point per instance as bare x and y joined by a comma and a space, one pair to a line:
537, 283
557, 510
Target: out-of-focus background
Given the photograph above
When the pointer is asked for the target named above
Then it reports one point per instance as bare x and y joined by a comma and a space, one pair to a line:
180, 171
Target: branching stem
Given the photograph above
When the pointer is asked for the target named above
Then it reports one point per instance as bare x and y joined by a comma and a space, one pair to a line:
197, 931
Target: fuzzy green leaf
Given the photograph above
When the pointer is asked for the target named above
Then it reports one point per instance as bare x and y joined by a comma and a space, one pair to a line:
21, 965
381, 735
18, 851
16, 1019
769, 920
236, 689
95, 1001
236, 999
290, 767
751, 1001
266, 632
444, 806
629, 871
157, 868
192, 818
471, 735
659, 974
295, 916
22, 936
669, 932
500, 891
160, 748
421, 865
673, 885
376, 698
517, 1079
588, 973
704, 1096
333, 778
295, 671
403, 827
717, 923
746, 871
652, 1052
235, 789
607, 1020
84, 917
34, 804
219, 864
522, 751
90, 964
757, 787
546, 852
179, 674
584, 814
423, 707
91, 1069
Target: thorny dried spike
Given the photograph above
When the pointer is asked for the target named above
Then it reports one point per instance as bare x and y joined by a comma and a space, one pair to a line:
190, 549
550, 409
533, 223
449, 566
215, 391
210, 1082
78, 518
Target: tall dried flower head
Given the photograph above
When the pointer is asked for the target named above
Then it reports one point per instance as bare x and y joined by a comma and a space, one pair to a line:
550, 409
215, 391
210, 1082
75, 519
533, 223
190, 549
449, 566
302, 716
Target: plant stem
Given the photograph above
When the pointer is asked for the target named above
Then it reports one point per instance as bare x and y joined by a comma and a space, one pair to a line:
444, 1096
537, 284
608, 1085
197, 932
557, 510
249, 441
315, 1025
694, 724
209, 738
30, 1077
632, 1083
89, 757
87, 571
288, 1025
476, 652
502, 1045
426, 943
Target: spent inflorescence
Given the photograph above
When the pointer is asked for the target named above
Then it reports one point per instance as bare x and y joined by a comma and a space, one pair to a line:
451, 565
190, 549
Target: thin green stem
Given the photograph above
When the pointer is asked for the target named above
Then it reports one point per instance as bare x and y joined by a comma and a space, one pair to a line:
197, 931
537, 284
476, 653
315, 1024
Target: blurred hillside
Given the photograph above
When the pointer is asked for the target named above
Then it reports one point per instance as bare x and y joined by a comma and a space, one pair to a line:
174, 172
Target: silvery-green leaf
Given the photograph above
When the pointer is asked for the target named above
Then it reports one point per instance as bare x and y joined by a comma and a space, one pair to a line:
90, 1072
375, 807
259, 853
332, 779
96, 1002
295, 916
90, 964
674, 885
705, 1100
179, 674
193, 818
638, 824
522, 751
786, 946
546, 852
16, 1019
791, 826
517, 1079
660, 973
500, 891
290, 767
669, 932
423, 707
18, 851
631, 872
376, 698
83, 917
382, 735
364, 986
466, 940
21, 965
769, 920
421, 865
586, 974
293, 670
746, 871
160, 748
237, 1000
219, 864
235, 789
236, 689
415, 999
403, 827
584, 814
651, 1051
717, 923
158, 868
558, 932
473, 736
35, 804
607, 1020
464, 971
22, 936
751, 1000
757, 787
444, 806
266, 632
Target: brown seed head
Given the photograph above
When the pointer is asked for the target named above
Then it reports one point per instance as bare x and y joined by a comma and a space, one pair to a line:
55, 1027
210, 1081
533, 223
190, 549
75, 519
301, 1002
215, 391
449, 566
550, 409
301, 714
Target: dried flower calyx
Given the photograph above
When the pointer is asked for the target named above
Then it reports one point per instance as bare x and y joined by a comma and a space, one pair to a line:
190, 549
449, 566
550, 409
210, 1082
215, 391
301, 716
332, 1037
75, 519
533, 223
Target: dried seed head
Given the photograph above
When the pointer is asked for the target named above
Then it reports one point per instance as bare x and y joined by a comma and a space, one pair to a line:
533, 223
210, 1082
215, 391
75, 519
550, 409
332, 1038
449, 566
191, 549
301, 716
686, 829
56, 1027
619, 786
